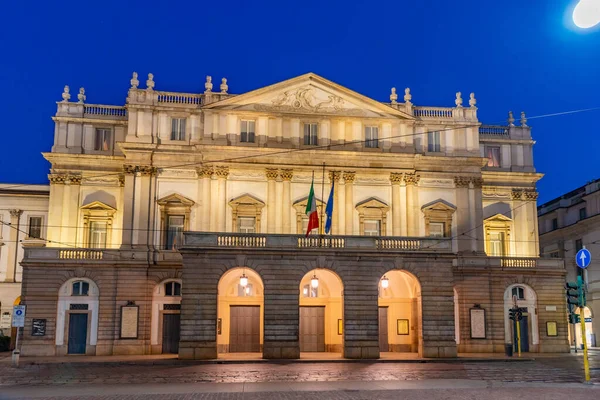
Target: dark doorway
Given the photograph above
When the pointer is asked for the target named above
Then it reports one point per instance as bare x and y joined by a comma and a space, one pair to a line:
312, 328
170, 333
524, 325
383, 329
77, 333
244, 331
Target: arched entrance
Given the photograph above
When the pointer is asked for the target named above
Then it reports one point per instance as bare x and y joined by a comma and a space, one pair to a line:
400, 313
526, 298
77, 317
587, 312
321, 315
240, 310
166, 310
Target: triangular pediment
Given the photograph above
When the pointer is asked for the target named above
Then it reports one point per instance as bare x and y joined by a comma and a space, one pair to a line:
438, 205
498, 218
372, 202
309, 94
97, 206
247, 200
175, 200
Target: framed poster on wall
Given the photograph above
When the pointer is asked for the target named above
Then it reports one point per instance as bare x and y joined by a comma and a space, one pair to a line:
340, 326
551, 328
477, 315
38, 327
129, 321
402, 326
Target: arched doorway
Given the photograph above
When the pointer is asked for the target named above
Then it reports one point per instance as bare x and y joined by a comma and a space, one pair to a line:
77, 317
526, 298
166, 310
587, 312
321, 312
240, 310
400, 313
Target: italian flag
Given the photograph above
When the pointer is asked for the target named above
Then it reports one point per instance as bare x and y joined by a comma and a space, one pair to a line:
311, 209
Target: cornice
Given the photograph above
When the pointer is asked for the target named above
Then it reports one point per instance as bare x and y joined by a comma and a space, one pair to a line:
83, 120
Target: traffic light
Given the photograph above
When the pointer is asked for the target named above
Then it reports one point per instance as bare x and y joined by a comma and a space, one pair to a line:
511, 314
573, 295
574, 319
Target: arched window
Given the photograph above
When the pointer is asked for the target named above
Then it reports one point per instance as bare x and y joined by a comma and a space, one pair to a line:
519, 292
80, 288
310, 291
172, 289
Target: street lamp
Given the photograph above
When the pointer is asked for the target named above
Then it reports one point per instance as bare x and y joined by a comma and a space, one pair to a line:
314, 282
385, 282
244, 280
587, 13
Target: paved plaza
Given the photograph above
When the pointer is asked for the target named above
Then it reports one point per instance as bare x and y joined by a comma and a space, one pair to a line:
164, 378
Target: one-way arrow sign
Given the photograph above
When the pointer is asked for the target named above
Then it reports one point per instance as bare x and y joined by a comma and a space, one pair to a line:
583, 258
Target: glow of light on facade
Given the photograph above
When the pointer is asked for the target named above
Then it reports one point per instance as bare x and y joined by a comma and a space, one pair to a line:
385, 282
243, 280
314, 282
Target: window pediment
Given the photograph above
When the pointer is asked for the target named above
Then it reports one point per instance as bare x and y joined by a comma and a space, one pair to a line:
98, 209
246, 200
300, 205
439, 206
175, 200
438, 211
372, 203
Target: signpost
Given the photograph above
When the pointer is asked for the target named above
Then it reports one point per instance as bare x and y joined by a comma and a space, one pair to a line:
576, 297
17, 322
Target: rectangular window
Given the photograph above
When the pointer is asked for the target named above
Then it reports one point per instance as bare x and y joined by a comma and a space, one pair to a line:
372, 227
178, 129
433, 142
311, 134
554, 224
371, 137
98, 234
35, 227
582, 213
497, 244
247, 132
246, 224
244, 291
436, 229
493, 156
103, 140
174, 231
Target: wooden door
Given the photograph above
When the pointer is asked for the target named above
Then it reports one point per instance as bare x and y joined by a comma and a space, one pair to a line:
244, 329
170, 333
77, 333
383, 329
312, 328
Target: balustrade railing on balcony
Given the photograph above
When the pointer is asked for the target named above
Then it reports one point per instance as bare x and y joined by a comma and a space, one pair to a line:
493, 131
100, 110
433, 112
217, 240
83, 254
179, 98
514, 262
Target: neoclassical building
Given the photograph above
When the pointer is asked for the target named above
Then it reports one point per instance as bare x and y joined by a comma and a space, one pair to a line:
177, 225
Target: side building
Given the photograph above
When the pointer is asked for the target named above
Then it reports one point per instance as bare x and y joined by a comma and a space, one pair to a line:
567, 224
177, 225
23, 221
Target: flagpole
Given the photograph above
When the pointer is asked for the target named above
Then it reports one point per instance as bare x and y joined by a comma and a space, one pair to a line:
322, 199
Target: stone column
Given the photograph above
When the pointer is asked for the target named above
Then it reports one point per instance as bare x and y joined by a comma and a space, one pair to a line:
463, 213
272, 174
222, 173
144, 220
56, 207
286, 206
349, 177
396, 179
476, 206
13, 245
205, 174
340, 204
520, 223
130, 180
334, 176
412, 217
70, 210
532, 223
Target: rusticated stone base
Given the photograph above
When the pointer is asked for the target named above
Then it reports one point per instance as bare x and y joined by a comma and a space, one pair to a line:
197, 350
439, 351
368, 352
281, 350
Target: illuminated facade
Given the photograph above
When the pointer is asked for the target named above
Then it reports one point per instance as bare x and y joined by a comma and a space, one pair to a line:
439, 207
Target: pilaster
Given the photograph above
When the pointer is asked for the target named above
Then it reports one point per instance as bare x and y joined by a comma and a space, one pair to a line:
463, 213
411, 180
286, 176
222, 173
271, 174
334, 176
13, 245
396, 180
349, 177
476, 206
205, 175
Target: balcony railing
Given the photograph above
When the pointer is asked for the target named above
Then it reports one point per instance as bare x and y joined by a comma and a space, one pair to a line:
258, 241
186, 99
104, 111
494, 131
509, 263
433, 112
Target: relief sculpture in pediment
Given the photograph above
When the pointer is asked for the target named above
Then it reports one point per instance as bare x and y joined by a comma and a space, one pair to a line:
306, 99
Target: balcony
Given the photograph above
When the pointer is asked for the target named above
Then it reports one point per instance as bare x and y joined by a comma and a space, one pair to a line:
295, 242
509, 263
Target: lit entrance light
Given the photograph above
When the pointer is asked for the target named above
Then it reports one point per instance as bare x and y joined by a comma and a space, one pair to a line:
243, 280
314, 282
385, 282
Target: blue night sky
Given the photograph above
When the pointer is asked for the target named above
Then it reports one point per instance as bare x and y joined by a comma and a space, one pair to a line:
514, 54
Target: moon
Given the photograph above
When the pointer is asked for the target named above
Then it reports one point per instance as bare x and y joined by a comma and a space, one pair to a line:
587, 13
